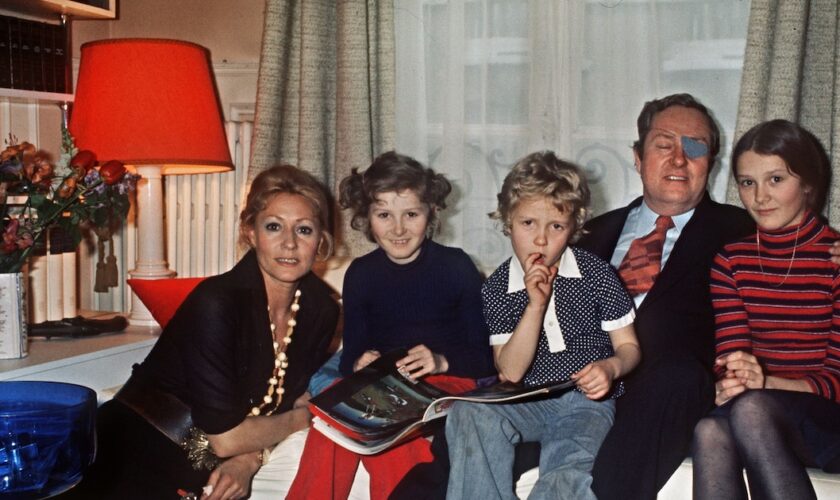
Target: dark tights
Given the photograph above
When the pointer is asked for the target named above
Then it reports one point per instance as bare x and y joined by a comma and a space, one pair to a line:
756, 436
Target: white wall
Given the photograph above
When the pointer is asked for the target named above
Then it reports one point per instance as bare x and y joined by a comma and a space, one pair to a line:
230, 29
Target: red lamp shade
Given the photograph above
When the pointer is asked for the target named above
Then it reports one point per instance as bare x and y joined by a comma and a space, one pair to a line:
149, 101
151, 104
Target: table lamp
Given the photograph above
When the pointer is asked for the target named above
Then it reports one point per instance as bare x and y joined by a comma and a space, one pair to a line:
151, 104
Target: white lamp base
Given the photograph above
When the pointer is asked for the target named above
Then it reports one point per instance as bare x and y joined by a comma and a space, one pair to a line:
151, 262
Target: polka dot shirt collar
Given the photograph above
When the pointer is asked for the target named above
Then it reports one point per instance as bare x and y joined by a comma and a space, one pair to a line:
567, 268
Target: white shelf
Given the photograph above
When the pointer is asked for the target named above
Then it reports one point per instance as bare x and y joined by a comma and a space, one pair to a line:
100, 362
50, 10
35, 96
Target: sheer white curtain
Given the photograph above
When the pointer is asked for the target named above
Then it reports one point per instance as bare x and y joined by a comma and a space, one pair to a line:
481, 83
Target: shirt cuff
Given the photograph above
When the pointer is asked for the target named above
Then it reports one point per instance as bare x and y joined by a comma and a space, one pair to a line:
621, 322
500, 338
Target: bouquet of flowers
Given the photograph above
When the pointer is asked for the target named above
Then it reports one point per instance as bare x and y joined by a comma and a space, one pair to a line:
73, 195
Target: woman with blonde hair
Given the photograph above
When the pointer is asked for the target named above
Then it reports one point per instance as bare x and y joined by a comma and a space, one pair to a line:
227, 379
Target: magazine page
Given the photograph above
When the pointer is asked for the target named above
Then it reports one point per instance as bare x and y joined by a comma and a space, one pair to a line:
378, 405
365, 447
376, 401
498, 393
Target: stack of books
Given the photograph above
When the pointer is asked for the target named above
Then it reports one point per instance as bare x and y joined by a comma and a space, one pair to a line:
33, 55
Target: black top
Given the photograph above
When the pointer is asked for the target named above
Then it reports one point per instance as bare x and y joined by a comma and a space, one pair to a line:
216, 353
435, 300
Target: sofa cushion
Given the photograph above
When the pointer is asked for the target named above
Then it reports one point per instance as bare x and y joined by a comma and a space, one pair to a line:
164, 296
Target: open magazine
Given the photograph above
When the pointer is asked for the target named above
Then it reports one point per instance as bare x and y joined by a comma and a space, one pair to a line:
379, 406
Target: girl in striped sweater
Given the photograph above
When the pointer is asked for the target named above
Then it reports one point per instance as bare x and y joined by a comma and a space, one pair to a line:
776, 297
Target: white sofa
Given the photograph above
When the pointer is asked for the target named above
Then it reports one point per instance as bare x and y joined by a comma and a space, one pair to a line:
678, 487
274, 480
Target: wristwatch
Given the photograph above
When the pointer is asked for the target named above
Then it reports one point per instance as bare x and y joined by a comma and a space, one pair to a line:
265, 456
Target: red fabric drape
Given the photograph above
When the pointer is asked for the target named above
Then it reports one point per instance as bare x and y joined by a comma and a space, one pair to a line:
327, 470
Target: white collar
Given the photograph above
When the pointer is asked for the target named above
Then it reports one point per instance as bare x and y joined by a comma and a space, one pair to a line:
567, 268
647, 220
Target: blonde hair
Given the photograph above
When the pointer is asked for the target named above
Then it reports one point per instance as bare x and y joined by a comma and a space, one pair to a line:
542, 174
286, 179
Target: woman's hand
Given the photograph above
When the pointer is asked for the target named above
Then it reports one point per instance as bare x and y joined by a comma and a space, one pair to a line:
744, 367
232, 478
365, 359
594, 379
422, 361
727, 388
834, 251
742, 372
302, 401
538, 280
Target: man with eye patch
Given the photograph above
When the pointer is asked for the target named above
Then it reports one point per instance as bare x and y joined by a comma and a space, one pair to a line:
673, 386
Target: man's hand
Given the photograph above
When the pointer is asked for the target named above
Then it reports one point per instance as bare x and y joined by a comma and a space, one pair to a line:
421, 361
232, 478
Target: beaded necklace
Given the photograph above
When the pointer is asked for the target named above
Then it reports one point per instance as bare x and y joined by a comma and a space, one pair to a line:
196, 443
281, 362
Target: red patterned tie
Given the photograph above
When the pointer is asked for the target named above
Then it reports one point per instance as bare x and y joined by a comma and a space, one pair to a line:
641, 265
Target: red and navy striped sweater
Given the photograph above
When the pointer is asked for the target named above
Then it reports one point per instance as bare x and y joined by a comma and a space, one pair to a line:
781, 307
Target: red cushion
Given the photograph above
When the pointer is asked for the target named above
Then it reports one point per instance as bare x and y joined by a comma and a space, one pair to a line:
163, 297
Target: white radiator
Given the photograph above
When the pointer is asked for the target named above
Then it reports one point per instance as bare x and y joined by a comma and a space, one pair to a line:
202, 237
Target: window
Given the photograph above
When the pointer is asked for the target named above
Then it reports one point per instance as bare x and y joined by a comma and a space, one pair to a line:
481, 83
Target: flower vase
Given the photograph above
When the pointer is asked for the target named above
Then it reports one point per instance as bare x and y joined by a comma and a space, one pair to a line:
13, 327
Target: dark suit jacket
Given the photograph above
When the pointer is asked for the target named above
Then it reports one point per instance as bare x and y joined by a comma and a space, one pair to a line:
676, 318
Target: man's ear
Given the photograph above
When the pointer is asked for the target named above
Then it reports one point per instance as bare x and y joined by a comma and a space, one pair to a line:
637, 161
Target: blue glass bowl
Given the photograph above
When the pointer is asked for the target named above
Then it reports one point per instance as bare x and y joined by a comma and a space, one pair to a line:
47, 437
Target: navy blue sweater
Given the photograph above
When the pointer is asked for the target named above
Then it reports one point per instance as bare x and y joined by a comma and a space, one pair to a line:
434, 300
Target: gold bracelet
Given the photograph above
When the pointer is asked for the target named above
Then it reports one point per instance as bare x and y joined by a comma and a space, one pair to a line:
265, 456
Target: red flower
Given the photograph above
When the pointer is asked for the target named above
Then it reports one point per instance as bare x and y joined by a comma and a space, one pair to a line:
43, 171
112, 172
12, 240
9, 236
84, 160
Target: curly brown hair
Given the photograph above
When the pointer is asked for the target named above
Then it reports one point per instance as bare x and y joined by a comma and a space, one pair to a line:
392, 171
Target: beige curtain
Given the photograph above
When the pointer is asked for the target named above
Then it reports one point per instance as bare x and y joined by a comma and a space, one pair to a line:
791, 71
325, 95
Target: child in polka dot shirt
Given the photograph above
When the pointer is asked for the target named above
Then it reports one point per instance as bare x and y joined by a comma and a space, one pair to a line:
554, 313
